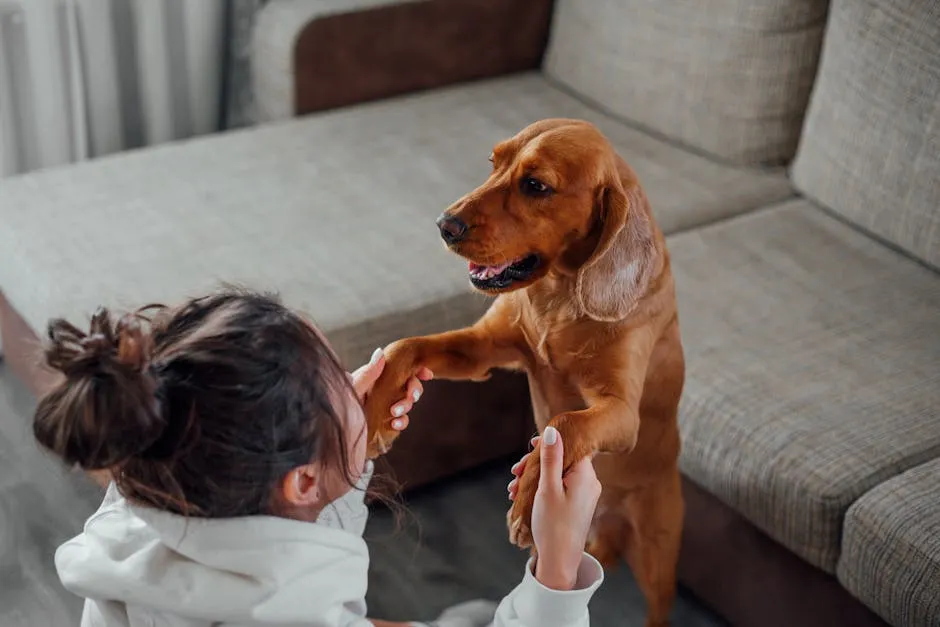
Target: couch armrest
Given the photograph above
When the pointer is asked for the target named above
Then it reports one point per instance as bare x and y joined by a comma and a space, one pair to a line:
312, 55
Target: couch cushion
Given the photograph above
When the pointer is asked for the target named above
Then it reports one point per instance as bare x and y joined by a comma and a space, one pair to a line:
891, 548
335, 211
871, 144
812, 369
730, 77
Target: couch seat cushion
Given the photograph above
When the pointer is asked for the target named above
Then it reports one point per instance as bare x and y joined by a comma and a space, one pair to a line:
891, 548
812, 369
335, 211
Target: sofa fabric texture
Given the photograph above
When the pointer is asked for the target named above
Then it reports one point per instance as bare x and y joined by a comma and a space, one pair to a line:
335, 211
812, 369
891, 548
871, 147
730, 78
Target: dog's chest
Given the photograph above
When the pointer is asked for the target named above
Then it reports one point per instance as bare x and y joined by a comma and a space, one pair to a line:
548, 334
552, 355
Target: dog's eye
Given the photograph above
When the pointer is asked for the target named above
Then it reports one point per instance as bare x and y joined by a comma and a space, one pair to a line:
534, 187
490, 158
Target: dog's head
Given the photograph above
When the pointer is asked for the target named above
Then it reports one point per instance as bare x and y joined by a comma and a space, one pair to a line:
559, 199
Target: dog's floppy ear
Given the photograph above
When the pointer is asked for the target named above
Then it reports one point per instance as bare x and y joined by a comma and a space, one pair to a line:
617, 274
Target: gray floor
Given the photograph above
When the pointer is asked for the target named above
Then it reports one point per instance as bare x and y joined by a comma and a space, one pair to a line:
450, 546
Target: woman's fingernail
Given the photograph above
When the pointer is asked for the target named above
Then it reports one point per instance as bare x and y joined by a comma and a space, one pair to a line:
398, 410
376, 356
397, 425
416, 395
550, 436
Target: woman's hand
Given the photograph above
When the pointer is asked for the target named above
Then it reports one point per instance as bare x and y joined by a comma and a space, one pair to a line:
364, 378
562, 514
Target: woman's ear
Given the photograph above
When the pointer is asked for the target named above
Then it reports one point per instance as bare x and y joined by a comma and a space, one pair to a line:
300, 487
617, 274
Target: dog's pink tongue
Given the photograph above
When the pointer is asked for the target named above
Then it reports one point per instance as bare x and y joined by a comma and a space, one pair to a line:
485, 272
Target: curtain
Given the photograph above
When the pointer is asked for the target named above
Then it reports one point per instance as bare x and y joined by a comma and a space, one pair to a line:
238, 99
83, 78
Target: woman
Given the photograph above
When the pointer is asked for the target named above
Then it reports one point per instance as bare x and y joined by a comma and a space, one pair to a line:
237, 444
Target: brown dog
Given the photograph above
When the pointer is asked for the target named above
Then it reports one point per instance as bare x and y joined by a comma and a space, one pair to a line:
563, 233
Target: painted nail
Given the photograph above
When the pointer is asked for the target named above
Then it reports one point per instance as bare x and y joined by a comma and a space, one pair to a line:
376, 356
398, 410
416, 395
550, 436
397, 425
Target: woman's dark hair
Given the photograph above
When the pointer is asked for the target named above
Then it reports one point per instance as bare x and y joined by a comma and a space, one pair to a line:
201, 409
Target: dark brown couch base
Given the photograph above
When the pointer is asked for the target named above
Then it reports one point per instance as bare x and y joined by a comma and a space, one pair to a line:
752, 580
21, 349
461, 425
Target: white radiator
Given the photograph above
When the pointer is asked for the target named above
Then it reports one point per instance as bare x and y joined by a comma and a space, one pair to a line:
82, 78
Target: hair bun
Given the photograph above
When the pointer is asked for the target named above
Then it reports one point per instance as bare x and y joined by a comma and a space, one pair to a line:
77, 353
106, 410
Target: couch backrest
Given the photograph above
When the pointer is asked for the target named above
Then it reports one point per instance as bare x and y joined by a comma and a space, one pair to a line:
727, 77
871, 143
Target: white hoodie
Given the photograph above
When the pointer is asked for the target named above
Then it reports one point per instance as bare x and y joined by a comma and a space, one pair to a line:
137, 566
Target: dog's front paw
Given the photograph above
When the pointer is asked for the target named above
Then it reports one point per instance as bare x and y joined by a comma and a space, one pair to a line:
377, 408
519, 518
392, 386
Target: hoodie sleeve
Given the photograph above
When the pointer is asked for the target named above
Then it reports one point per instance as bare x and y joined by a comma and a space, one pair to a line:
533, 605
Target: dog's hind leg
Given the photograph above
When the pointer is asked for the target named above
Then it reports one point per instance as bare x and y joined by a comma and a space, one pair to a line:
656, 513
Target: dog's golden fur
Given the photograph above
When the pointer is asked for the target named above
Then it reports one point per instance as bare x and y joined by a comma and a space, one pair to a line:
595, 327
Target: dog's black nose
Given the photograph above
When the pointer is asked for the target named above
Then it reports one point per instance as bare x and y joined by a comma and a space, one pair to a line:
453, 230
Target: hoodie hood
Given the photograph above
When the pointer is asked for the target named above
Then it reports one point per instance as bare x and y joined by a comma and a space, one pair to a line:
248, 571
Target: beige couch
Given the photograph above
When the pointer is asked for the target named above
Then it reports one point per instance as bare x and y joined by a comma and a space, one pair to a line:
790, 148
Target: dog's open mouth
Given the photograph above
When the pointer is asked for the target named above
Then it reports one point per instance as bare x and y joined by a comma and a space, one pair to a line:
503, 275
